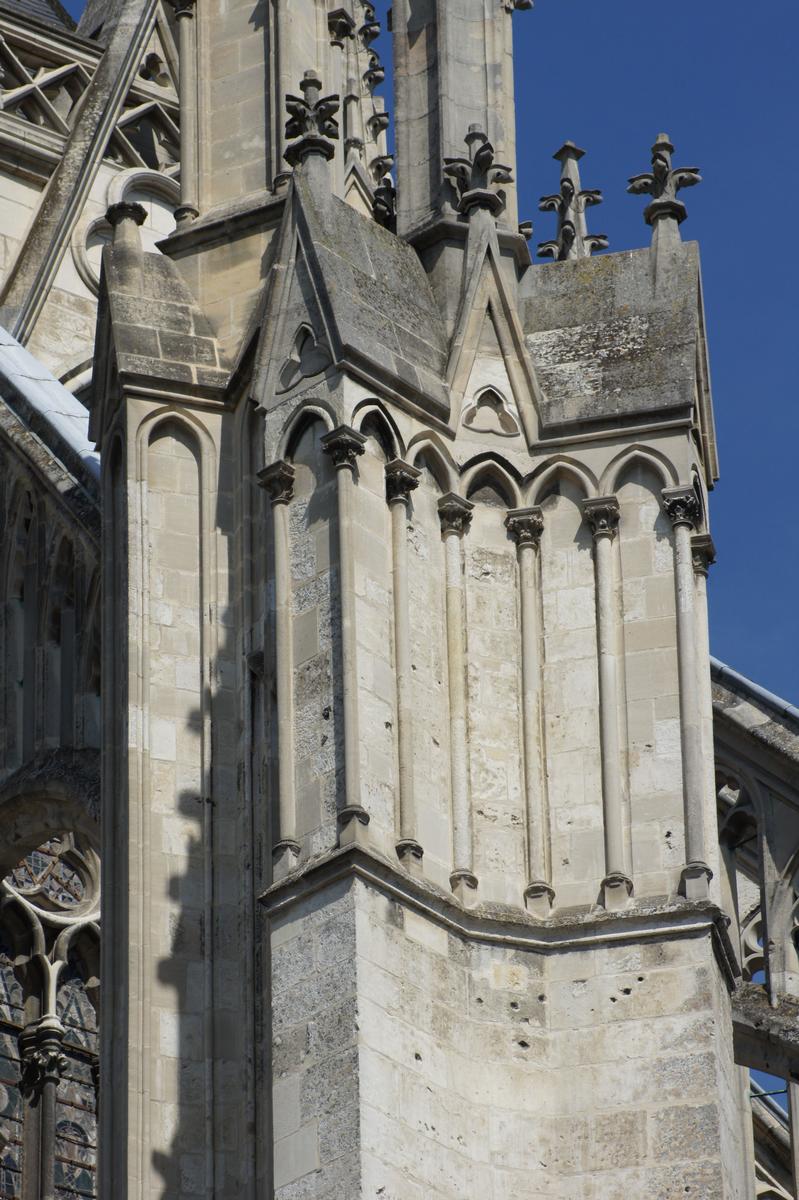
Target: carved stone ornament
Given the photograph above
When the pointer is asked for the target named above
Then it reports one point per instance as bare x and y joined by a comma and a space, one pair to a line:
570, 203
525, 525
309, 357
519, 5
663, 183
345, 446
183, 8
704, 553
125, 210
490, 414
476, 179
312, 120
384, 204
682, 507
370, 30
42, 1058
277, 481
602, 514
455, 513
401, 480
341, 26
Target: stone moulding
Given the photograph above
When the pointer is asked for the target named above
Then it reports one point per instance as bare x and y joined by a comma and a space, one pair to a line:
494, 924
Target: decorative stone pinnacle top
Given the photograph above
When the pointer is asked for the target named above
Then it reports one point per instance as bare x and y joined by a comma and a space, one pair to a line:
476, 179
401, 480
663, 183
681, 505
525, 525
570, 203
312, 120
344, 445
455, 513
602, 514
278, 481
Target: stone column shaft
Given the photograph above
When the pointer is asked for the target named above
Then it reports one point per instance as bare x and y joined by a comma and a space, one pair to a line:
682, 509
602, 515
189, 123
278, 481
525, 526
456, 515
345, 445
401, 480
704, 555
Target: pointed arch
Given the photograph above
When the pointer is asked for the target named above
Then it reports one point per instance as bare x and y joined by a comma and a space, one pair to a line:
489, 470
547, 474
296, 425
646, 455
428, 449
374, 422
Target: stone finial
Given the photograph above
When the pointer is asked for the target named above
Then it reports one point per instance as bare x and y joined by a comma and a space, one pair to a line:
663, 183
602, 514
570, 203
476, 179
312, 120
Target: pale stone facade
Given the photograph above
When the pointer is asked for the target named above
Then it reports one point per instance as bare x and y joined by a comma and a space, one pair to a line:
438, 857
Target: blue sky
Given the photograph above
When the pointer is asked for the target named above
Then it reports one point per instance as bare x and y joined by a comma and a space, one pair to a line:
720, 79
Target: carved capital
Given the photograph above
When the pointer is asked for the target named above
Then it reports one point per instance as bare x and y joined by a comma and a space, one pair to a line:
340, 26
704, 553
401, 480
42, 1057
525, 525
681, 506
455, 513
345, 446
183, 8
602, 514
312, 120
663, 183
278, 482
125, 210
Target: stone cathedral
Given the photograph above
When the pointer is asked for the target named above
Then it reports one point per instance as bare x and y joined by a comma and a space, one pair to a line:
374, 822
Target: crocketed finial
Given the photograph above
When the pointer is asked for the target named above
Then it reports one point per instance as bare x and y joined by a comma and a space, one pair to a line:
477, 177
662, 184
312, 119
570, 203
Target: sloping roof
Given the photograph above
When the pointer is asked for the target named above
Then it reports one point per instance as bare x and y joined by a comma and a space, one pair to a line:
380, 299
755, 712
50, 12
47, 408
610, 337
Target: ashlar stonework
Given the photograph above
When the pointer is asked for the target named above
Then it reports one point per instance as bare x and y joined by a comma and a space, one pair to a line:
361, 744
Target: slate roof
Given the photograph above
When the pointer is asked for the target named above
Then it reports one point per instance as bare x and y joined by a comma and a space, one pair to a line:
50, 12
609, 338
381, 301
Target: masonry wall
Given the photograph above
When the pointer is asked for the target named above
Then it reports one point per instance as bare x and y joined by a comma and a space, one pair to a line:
414, 1063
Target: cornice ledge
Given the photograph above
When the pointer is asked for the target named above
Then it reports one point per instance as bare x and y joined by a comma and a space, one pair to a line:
262, 210
499, 924
457, 230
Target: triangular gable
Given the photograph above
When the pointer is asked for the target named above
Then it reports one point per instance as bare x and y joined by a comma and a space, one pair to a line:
487, 308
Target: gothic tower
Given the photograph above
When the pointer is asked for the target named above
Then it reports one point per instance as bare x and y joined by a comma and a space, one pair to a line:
412, 883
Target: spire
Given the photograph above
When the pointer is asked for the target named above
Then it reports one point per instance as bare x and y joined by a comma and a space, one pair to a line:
312, 120
453, 75
570, 203
665, 213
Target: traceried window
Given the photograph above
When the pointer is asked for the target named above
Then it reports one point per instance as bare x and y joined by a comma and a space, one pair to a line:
49, 909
